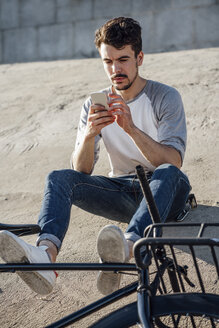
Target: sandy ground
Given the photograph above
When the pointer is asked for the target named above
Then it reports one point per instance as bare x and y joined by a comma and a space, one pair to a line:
39, 111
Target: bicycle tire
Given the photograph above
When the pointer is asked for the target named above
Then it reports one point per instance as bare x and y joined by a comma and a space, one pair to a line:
203, 307
121, 318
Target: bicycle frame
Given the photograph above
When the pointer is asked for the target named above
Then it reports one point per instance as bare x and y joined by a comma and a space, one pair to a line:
144, 288
91, 308
138, 286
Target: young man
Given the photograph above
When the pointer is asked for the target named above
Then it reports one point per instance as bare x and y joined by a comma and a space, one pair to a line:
145, 125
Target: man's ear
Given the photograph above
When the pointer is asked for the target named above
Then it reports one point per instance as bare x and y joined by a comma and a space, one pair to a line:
140, 58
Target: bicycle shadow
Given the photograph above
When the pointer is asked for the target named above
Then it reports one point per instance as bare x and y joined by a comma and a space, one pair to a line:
202, 214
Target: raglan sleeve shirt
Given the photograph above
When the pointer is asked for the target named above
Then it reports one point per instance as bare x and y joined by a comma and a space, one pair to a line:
171, 121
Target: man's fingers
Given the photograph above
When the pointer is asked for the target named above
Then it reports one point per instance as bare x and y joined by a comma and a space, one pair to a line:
96, 108
120, 108
117, 100
99, 114
100, 117
103, 120
114, 95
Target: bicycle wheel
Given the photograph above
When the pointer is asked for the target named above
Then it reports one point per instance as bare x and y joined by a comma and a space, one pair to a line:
185, 310
124, 317
174, 310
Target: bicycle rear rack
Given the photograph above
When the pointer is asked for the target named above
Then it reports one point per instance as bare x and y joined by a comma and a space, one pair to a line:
173, 244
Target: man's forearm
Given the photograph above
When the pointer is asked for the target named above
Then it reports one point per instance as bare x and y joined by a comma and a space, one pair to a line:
153, 151
83, 158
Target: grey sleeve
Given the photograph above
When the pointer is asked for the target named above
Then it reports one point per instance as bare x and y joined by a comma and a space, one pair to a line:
81, 130
171, 122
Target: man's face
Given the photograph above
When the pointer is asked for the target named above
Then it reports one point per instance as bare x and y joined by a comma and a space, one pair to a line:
120, 65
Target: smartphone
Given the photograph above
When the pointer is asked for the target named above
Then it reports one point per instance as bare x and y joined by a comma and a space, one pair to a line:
100, 98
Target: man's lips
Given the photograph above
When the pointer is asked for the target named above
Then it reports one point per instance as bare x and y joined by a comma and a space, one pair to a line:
119, 78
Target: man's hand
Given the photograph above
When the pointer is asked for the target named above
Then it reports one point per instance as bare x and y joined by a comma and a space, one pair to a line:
98, 118
121, 111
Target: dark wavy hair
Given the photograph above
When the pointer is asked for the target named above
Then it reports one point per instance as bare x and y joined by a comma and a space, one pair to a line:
119, 32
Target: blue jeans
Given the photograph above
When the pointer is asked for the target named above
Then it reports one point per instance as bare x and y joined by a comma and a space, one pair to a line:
117, 199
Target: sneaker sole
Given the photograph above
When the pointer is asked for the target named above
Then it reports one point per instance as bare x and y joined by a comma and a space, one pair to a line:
108, 282
112, 245
12, 252
111, 238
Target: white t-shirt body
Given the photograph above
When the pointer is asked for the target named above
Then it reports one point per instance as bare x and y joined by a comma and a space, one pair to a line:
123, 154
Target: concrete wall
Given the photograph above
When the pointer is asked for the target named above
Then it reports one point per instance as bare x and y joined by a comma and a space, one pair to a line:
35, 30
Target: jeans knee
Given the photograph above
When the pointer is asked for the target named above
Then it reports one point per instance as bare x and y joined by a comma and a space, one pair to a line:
60, 177
67, 177
172, 172
168, 168
54, 176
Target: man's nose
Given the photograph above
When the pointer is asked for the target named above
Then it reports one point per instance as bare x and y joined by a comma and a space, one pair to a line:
116, 68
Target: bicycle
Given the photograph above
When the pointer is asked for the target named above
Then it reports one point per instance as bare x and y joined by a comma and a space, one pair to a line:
165, 297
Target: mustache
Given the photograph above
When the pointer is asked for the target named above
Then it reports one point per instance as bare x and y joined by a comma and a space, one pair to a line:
118, 75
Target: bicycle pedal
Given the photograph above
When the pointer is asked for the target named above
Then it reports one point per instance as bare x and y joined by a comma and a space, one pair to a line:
181, 217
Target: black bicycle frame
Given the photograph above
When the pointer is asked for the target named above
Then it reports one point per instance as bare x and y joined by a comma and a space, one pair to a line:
95, 306
91, 308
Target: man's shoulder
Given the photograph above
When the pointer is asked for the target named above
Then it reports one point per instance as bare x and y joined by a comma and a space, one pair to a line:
164, 98
155, 88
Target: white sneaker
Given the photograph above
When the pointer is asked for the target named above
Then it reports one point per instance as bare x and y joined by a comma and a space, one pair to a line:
15, 250
111, 247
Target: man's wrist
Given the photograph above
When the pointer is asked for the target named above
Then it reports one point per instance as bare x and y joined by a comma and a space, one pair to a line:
88, 137
133, 131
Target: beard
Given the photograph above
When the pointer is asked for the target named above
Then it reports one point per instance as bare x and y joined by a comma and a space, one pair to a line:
127, 86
